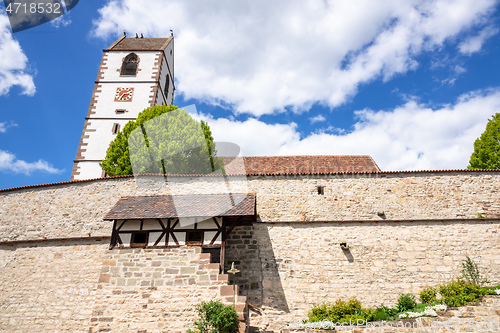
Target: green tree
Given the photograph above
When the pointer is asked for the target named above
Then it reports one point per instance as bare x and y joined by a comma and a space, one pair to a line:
486, 153
163, 139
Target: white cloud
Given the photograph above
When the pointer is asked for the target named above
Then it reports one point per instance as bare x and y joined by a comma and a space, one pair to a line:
261, 56
475, 43
254, 137
409, 137
9, 162
60, 22
457, 71
317, 119
4, 126
14, 63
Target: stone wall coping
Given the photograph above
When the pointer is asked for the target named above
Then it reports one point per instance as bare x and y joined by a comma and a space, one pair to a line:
274, 175
46, 240
489, 219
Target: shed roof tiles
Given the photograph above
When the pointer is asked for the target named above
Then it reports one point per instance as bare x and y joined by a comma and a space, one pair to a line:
193, 205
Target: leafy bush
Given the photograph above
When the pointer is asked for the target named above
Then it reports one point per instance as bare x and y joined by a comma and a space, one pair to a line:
458, 292
215, 317
428, 295
471, 274
339, 311
406, 302
384, 313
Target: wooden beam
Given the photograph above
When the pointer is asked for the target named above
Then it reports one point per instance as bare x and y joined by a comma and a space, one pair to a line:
113, 241
223, 246
215, 237
216, 223
121, 225
159, 238
168, 232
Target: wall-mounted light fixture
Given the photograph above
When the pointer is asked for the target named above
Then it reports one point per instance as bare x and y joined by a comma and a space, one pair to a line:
233, 270
344, 246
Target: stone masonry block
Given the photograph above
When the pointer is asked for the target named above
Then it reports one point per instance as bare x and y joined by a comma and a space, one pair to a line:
228, 290
187, 270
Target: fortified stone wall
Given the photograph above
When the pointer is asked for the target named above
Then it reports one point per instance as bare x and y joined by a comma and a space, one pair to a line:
81, 286
77, 209
155, 290
49, 286
298, 265
405, 231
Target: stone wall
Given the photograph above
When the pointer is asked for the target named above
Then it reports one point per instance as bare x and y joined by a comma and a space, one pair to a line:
405, 231
77, 209
49, 286
81, 286
298, 265
154, 290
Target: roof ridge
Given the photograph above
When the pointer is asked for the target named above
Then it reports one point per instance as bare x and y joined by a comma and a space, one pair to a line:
122, 37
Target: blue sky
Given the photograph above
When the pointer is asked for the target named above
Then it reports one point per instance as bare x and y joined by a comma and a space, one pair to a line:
410, 83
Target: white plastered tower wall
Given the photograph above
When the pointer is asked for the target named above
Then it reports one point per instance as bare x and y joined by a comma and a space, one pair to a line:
152, 84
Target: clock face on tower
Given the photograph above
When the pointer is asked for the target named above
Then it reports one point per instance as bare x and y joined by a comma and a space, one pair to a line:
124, 94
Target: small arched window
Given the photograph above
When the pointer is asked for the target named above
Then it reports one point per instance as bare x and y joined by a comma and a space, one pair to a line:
129, 66
167, 86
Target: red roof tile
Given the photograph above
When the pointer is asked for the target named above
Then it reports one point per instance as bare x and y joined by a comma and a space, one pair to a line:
251, 171
166, 206
302, 165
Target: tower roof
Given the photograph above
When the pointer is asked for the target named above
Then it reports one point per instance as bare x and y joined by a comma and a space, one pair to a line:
139, 44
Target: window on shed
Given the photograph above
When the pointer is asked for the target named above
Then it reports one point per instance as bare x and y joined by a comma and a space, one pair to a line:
139, 239
194, 238
129, 66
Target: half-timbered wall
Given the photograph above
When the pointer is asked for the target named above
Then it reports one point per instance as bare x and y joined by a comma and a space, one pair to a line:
167, 232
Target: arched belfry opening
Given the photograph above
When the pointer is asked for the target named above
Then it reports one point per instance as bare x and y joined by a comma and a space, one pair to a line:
129, 65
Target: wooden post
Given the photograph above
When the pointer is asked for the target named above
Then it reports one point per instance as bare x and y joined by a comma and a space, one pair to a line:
223, 246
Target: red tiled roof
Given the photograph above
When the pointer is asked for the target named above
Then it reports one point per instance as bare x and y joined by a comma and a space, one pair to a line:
250, 171
140, 44
166, 206
301, 165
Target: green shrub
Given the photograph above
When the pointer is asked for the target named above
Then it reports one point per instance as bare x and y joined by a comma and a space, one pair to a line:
339, 311
428, 295
458, 292
471, 274
384, 313
215, 317
406, 302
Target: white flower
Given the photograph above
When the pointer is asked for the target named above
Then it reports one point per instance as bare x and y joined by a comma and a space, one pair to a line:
497, 291
429, 311
439, 307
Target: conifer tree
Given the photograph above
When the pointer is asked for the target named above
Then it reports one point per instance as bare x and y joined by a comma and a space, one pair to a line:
486, 153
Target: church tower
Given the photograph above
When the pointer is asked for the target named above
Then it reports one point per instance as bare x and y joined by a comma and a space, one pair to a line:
135, 73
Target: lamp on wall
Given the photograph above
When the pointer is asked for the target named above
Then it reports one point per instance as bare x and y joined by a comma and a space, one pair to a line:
344, 246
233, 270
